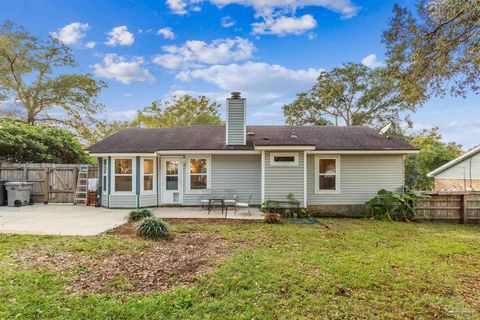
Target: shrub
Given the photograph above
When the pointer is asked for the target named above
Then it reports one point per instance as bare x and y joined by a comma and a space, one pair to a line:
270, 206
140, 214
272, 218
388, 205
153, 228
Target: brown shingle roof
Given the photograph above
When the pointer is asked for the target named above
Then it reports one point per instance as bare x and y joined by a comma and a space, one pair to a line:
139, 140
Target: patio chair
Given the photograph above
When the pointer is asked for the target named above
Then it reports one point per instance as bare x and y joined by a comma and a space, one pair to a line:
230, 198
202, 202
244, 205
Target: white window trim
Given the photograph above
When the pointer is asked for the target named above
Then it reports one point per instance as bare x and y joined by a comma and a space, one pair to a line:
104, 175
283, 154
142, 175
337, 175
133, 192
209, 174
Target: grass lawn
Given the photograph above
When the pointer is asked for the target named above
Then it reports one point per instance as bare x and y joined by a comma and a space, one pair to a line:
338, 269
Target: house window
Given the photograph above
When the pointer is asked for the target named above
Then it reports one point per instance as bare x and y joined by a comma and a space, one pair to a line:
148, 174
104, 174
284, 159
123, 175
327, 174
198, 174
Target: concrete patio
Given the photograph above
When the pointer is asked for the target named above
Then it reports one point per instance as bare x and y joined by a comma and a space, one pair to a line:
60, 219
70, 220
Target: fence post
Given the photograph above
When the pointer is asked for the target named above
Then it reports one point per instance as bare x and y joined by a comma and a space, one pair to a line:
464, 208
46, 186
25, 174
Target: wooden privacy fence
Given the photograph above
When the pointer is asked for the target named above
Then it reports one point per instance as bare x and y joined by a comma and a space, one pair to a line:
453, 206
53, 183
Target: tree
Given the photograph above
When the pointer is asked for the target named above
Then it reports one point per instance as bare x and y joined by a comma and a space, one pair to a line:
436, 51
434, 152
349, 95
22, 143
179, 111
176, 111
29, 76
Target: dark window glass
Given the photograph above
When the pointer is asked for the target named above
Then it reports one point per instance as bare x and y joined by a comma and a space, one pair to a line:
123, 183
171, 183
327, 182
198, 182
284, 159
327, 166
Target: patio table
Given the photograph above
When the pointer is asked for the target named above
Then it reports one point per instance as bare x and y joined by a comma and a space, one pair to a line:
213, 201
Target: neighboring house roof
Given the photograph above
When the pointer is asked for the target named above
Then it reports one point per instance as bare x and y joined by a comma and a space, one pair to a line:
140, 140
466, 155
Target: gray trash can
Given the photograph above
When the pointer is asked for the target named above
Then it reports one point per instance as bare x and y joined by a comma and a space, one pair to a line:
3, 192
18, 193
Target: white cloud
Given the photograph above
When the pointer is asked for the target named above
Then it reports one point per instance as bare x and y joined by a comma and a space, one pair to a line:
227, 22
120, 36
344, 7
118, 115
284, 25
264, 82
167, 33
196, 53
90, 44
123, 70
372, 62
71, 33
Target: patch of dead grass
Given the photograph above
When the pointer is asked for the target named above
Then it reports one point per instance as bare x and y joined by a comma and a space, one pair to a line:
158, 266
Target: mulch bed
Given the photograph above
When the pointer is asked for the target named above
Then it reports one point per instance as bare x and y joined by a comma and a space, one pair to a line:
159, 266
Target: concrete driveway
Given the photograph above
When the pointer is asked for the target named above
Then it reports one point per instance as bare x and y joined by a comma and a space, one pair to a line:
56, 219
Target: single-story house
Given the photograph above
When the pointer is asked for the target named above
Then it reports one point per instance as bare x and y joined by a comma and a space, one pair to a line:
460, 174
324, 167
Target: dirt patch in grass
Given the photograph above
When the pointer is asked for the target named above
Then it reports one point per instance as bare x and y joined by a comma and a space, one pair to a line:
156, 267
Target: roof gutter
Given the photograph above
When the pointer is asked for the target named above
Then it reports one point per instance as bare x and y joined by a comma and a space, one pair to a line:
364, 152
179, 152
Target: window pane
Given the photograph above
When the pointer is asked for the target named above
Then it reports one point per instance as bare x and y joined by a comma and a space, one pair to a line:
327, 183
104, 187
123, 183
147, 183
172, 167
123, 166
104, 168
171, 183
198, 165
284, 159
198, 182
148, 166
327, 166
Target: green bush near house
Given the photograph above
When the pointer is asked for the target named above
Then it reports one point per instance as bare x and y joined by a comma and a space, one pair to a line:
388, 205
137, 215
153, 228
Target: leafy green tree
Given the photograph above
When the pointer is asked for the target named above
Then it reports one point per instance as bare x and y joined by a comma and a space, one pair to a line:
435, 50
29, 76
434, 152
176, 111
179, 111
350, 95
22, 143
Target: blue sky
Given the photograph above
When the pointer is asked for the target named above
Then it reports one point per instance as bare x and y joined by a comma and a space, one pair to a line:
268, 49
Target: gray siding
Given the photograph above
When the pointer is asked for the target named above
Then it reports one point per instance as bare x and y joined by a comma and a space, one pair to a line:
123, 201
361, 176
104, 199
236, 121
282, 180
148, 200
241, 173
462, 169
